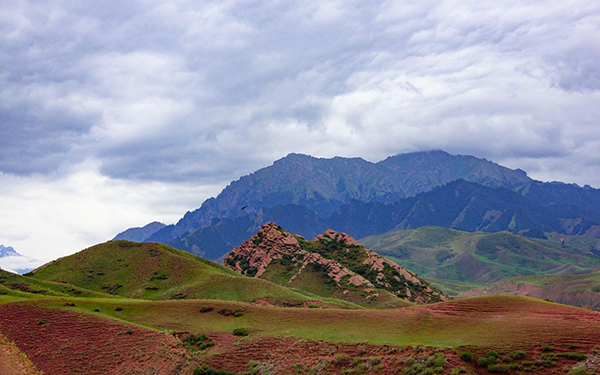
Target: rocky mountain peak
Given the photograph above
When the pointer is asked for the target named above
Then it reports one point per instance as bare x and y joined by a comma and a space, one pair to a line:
346, 269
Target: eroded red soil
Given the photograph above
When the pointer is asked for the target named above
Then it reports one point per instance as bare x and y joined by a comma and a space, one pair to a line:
66, 342
298, 356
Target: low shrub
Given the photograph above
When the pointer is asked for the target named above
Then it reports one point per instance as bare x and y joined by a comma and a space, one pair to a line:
486, 361
229, 312
547, 348
193, 341
432, 365
519, 354
501, 369
575, 356
158, 276
515, 366
466, 356
341, 359
240, 332
205, 309
459, 371
580, 371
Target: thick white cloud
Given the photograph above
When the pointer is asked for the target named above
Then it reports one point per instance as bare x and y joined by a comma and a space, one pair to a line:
44, 217
175, 98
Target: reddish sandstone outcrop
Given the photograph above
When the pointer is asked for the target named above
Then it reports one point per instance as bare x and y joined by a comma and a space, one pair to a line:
339, 256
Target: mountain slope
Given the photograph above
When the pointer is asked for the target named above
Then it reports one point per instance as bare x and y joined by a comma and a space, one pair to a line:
323, 185
332, 265
140, 234
156, 271
459, 204
477, 257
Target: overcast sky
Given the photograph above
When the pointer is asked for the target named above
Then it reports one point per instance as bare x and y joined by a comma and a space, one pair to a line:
117, 113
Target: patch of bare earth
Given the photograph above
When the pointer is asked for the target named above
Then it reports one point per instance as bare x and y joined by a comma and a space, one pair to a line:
66, 342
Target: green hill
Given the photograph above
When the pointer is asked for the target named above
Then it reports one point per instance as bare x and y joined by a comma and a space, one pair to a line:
158, 272
578, 290
476, 257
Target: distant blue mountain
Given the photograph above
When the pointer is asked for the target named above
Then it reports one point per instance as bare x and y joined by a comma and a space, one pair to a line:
140, 234
7, 251
306, 195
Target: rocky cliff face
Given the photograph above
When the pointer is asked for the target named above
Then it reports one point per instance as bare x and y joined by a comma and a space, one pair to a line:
332, 265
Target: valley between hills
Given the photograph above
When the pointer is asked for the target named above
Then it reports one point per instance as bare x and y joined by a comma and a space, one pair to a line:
424, 263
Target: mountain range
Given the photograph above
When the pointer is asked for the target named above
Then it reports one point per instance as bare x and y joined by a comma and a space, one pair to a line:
307, 195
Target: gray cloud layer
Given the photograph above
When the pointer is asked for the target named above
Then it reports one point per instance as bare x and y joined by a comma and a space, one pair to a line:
203, 91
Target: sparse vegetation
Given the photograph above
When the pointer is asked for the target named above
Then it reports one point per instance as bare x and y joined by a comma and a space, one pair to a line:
574, 356
231, 312
581, 371
207, 370
462, 370
431, 365
500, 369
200, 342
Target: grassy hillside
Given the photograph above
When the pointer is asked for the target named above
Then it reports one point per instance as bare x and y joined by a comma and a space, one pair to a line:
24, 286
498, 321
159, 272
476, 257
579, 290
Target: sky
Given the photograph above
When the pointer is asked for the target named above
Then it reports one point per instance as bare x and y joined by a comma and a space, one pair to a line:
114, 114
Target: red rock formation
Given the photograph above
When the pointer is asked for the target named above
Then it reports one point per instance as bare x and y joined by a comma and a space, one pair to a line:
337, 254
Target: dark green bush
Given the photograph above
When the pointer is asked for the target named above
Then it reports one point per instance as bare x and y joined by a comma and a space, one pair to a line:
240, 332
229, 312
179, 296
515, 366
205, 309
486, 361
501, 369
519, 354
194, 341
466, 356
581, 371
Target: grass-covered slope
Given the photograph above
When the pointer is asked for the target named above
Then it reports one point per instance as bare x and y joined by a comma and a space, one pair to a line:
578, 290
332, 265
158, 272
24, 286
476, 257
